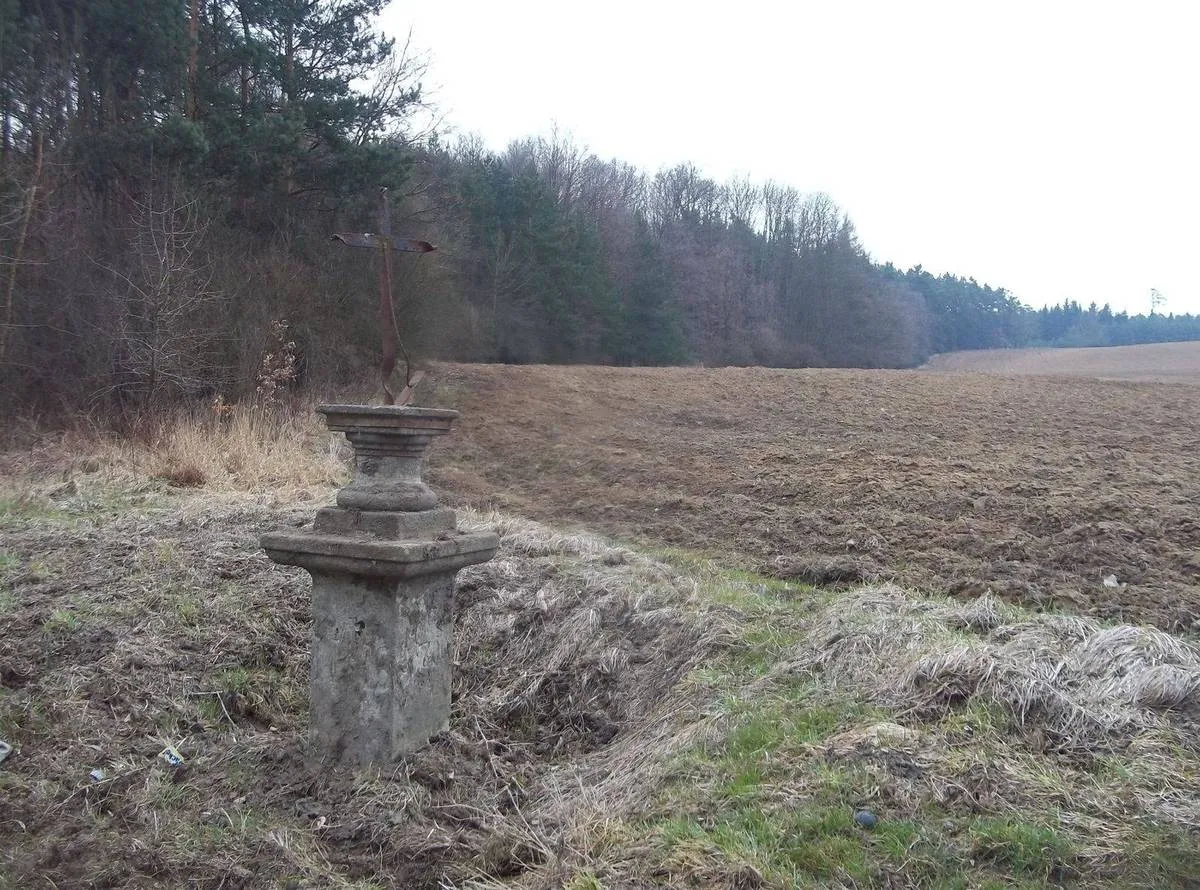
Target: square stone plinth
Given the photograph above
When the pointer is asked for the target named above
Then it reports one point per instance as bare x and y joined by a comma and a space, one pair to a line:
381, 664
382, 632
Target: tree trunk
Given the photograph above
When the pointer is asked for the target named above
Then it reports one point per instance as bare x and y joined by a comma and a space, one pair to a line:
289, 62
192, 103
19, 253
245, 60
5, 128
83, 96
108, 98
57, 90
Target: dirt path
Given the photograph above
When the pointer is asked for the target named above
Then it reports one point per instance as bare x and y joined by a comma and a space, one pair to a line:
1036, 488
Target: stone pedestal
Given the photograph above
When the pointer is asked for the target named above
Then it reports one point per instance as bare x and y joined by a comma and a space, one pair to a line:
383, 564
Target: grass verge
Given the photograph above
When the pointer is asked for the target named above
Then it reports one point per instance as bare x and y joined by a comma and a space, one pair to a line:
621, 719
862, 745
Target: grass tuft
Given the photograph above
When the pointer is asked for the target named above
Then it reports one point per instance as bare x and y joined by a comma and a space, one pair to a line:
1025, 848
61, 622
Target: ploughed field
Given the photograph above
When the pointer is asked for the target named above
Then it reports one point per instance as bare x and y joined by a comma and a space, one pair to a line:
1166, 362
1073, 493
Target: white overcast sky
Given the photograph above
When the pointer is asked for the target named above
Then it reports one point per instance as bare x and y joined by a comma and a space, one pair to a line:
1050, 148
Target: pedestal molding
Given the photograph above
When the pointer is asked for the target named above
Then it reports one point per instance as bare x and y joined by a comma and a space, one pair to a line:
383, 564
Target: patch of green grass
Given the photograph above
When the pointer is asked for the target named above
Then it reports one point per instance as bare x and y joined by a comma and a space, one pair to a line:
977, 718
767, 796
61, 622
584, 880
99, 503
1020, 846
188, 610
780, 727
743, 784
234, 680
21, 716
37, 571
18, 508
796, 849
728, 586
165, 552
8, 599
811, 843
184, 603
1163, 856
739, 587
260, 693
1112, 768
823, 842
210, 708
171, 795
224, 826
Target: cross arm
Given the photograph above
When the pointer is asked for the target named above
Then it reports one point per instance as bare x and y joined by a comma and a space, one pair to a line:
368, 239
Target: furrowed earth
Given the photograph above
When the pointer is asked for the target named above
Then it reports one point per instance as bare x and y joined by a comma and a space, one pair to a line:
825, 594
1034, 488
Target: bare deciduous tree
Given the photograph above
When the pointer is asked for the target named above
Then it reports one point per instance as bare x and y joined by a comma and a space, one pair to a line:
163, 309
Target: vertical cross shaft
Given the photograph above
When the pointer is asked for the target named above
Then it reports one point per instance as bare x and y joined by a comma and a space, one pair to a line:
389, 331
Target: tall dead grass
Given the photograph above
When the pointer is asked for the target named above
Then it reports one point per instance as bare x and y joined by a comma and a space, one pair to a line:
251, 447
247, 448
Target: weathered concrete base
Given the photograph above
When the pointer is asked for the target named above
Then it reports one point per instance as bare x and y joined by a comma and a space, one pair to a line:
364, 556
382, 630
388, 641
383, 563
384, 523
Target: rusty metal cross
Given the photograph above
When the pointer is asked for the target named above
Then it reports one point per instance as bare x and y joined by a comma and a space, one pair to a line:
384, 243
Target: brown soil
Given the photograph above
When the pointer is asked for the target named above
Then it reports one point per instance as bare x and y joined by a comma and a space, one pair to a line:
1164, 362
1035, 488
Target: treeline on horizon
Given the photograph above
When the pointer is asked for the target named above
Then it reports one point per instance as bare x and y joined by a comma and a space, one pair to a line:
170, 175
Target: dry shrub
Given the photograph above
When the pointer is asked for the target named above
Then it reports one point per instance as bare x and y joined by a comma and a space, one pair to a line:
183, 475
249, 447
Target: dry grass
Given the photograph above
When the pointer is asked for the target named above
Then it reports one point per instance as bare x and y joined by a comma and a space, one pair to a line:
1085, 687
1055, 699
240, 448
620, 720
164, 625
248, 448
